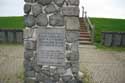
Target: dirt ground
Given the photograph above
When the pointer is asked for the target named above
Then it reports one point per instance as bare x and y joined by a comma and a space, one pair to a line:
11, 64
102, 66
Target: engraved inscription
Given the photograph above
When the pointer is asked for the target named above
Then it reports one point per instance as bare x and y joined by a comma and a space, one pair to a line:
51, 47
51, 39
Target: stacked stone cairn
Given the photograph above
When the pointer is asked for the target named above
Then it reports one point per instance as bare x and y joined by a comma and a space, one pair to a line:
51, 14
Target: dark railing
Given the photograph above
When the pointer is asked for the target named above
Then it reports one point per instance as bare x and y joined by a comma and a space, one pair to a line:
11, 36
113, 39
89, 25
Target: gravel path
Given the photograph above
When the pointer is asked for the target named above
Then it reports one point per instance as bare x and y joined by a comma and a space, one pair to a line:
104, 66
11, 64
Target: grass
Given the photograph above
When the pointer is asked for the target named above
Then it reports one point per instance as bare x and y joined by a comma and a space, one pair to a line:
11, 73
119, 49
10, 44
87, 78
11, 22
107, 24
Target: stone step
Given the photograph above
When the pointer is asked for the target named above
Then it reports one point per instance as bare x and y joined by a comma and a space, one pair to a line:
85, 42
81, 30
85, 35
84, 32
87, 46
82, 26
81, 19
84, 39
82, 22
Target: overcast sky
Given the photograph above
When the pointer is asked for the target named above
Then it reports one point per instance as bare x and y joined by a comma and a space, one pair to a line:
95, 8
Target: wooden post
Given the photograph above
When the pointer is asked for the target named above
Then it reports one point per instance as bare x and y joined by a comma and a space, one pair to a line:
85, 14
93, 34
82, 11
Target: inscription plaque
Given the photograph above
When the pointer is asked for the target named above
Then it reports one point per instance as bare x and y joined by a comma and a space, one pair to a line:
51, 47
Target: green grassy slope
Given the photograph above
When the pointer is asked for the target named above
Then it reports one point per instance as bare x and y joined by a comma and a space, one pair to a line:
11, 23
102, 24
106, 24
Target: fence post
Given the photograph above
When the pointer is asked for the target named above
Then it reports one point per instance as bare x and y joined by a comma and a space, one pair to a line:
83, 11
93, 34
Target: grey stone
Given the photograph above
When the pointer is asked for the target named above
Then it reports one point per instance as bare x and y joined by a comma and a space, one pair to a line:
66, 78
68, 47
29, 20
42, 20
108, 40
68, 72
80, 81
67, 75
28, 54
60, 70
41, 77
68, 63
27, 33
74, 2
75, 69
74, 46
72, 81
59, 2
30, 74
30, 44
50, 9
72, 36
49, 81
117, 39
72, 23
37, 68
56, 77
30, 1
46, 72
75, 66
56, 20
27, 8
52, 70
44, 2
36, 9
70, 11
34, 35
28, 65
73, 56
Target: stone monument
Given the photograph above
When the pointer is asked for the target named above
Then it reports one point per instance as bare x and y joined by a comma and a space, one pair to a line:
51, 40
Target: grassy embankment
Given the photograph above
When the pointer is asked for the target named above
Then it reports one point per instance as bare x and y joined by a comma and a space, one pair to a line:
11, 22
107, 24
